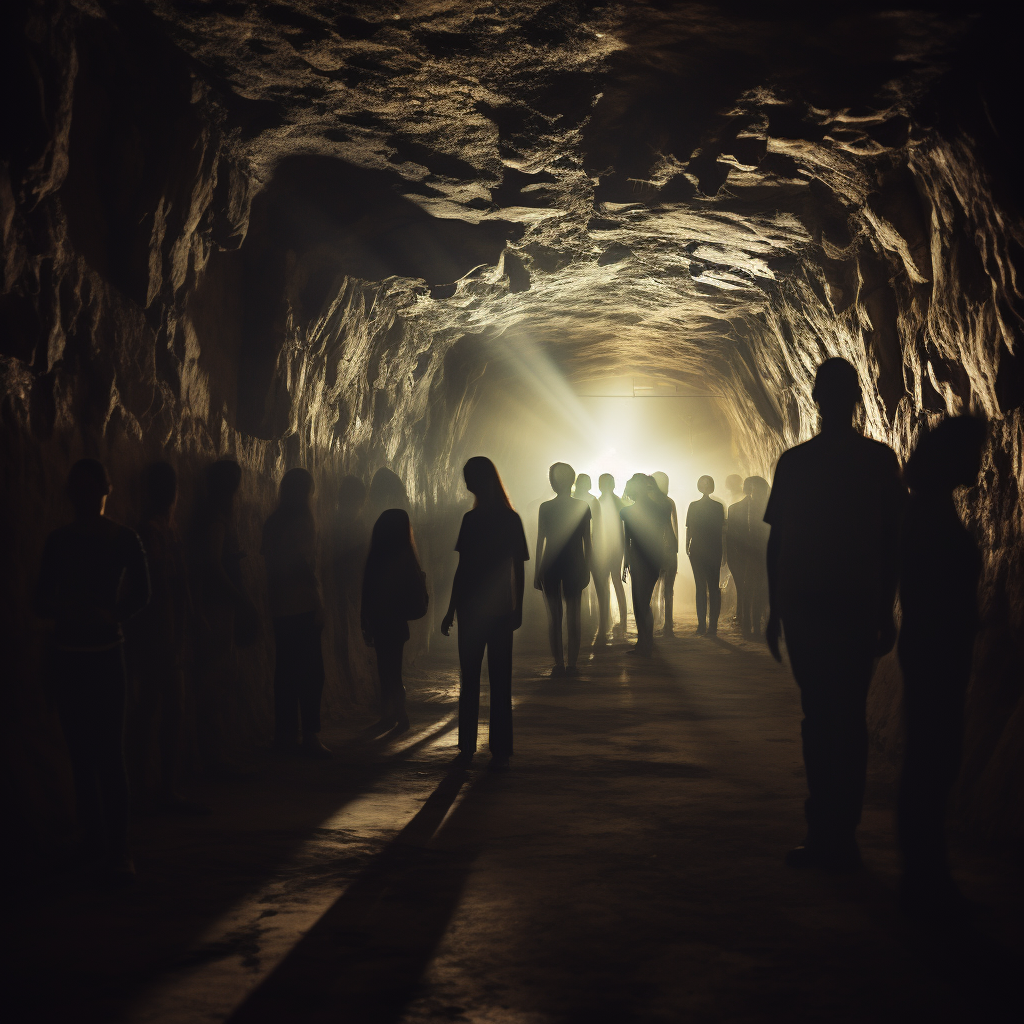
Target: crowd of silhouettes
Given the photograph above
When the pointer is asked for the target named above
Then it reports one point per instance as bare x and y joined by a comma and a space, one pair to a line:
819, 555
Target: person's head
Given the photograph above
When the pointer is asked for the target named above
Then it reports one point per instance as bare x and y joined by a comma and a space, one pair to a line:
947, 456
88, 487
392, 535
583, 484
562, 477
223, 479
159, 485
734, 484
661, 480
607, 483
836, 390
640, 488
351, 496
757, 487
296, 488
706, 484
484, 483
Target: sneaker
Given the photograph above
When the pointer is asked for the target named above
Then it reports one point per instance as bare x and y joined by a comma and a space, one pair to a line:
498, 763
701, 630
557, 671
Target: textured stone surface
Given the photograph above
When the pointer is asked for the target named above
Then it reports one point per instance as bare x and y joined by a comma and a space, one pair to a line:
296, 231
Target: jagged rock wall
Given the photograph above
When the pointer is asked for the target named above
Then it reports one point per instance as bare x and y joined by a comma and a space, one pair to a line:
298, 232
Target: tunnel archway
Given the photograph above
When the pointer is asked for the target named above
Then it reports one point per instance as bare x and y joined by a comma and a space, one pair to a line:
295, 236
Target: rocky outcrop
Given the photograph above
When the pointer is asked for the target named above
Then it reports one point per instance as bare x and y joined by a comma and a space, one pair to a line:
298, 232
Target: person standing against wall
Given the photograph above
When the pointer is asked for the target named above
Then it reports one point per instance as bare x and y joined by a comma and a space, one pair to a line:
93, 578
834, 512
289, 551
487, 598
394, 591
705, 520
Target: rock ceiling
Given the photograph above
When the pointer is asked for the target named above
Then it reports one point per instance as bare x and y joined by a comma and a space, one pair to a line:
680, 189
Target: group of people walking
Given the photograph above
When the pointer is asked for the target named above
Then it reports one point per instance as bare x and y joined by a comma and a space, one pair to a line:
821, 554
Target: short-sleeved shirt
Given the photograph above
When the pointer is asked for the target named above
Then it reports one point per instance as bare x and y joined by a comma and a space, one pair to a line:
564, 522
705, 519
836, 504
491, 540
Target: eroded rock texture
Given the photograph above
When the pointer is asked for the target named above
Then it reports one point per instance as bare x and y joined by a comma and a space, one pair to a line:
298, 232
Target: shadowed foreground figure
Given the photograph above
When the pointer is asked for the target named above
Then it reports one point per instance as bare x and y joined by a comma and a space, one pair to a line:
705, 522
93, 578
834, 513
646, 525
487, 597
394, 591
940, 569
289, 551
564, 558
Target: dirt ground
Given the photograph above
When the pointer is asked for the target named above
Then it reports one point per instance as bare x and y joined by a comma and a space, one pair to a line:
628, 868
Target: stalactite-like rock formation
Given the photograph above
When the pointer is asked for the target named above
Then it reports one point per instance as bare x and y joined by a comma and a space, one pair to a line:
296, 232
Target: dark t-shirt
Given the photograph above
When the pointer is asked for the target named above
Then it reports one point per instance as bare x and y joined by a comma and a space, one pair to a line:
836, 503
705, 519
564, 522
737, 537
491, 540
93, 578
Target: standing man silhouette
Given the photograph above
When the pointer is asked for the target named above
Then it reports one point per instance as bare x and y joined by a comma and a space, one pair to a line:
609, 546
671, 563
581, 490
705, 521
834, 513
737, 555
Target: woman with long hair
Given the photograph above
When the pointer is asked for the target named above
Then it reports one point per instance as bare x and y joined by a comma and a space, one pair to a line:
394, 591
646, 525
289, 550
487, 598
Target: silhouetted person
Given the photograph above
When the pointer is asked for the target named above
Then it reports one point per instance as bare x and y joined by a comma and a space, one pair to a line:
834, 513
705, 520
93, 578
487, 598
730, 594
581, 490
646, 525
564, 557
289, 551
671, 564
351, 543
156, 645
757, 566
227, 617
940, 570
386, 491
738, 557
609, 548
394, 591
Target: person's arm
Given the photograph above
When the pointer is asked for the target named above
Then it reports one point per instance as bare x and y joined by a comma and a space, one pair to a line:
627, 544
675, 524
588, 544
449, 616
538, 551
773, 630
134, 593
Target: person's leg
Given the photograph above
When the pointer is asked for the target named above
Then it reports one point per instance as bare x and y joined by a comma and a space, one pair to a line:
287, 661
713, 575
833, 668
656, 610
669, 583
643, 591
573, 601
311, 681
620, 596
701, 583
499, 670
553, 596
111, 688
603, 602
389, 671
472, 640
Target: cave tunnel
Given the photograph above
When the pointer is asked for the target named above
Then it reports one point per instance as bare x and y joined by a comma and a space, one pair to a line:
352, 237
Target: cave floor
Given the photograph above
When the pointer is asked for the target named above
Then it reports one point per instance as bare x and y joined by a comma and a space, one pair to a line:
628, 868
